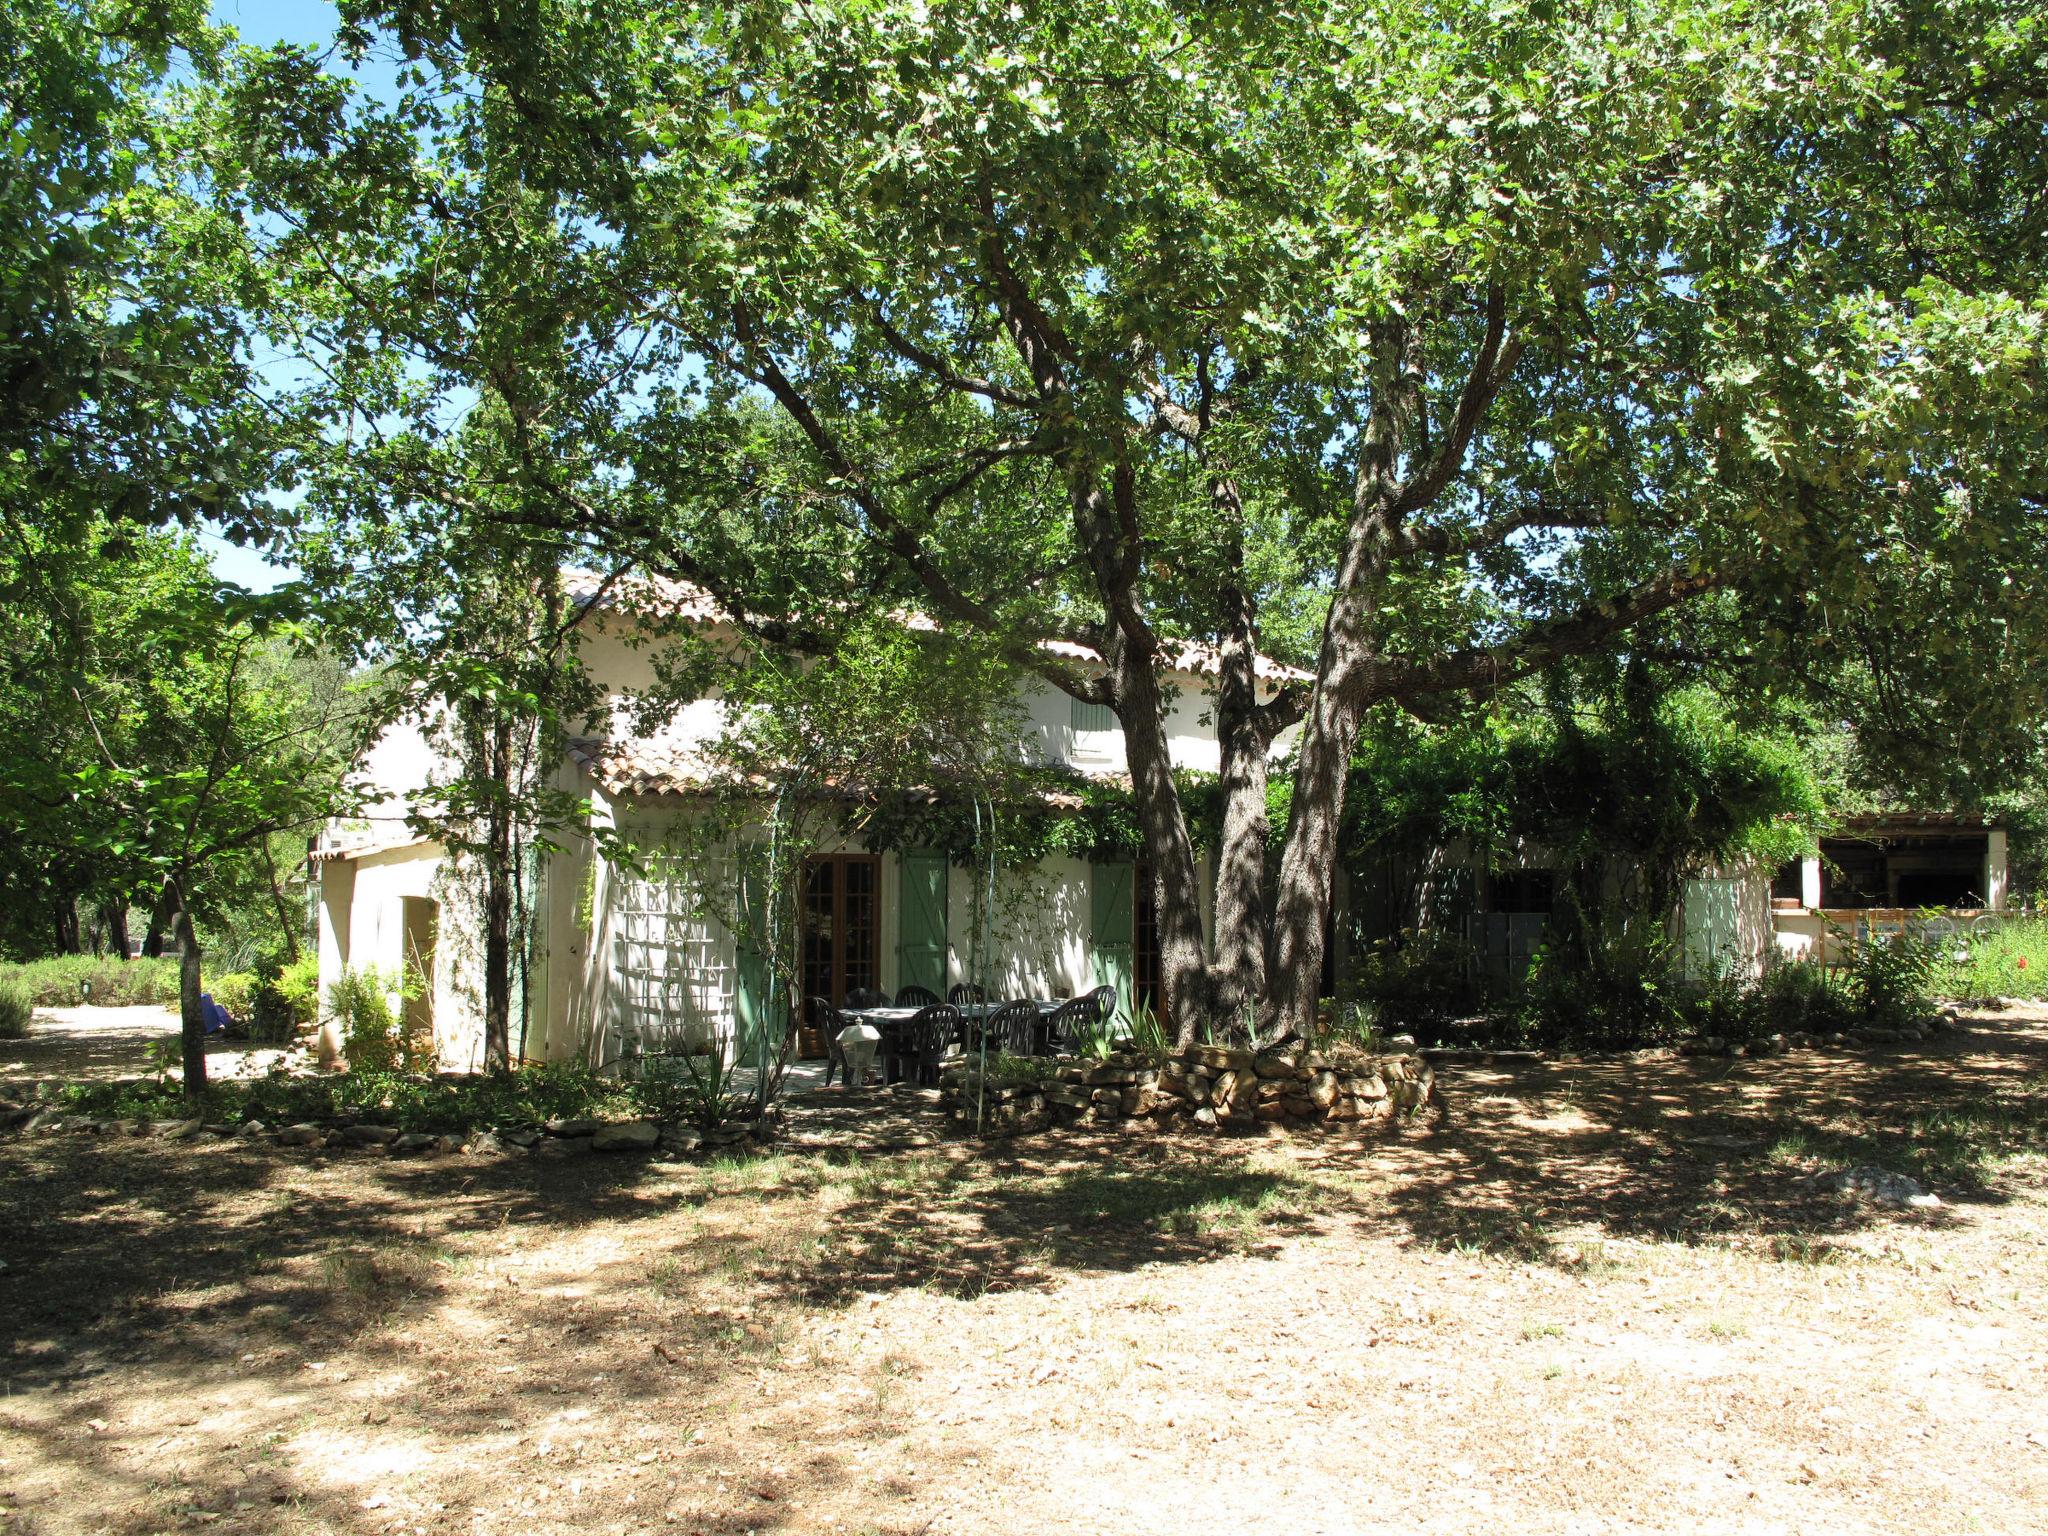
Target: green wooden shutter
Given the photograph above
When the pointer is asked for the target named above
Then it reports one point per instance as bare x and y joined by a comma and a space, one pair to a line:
753, 998
1109, 924
921, 921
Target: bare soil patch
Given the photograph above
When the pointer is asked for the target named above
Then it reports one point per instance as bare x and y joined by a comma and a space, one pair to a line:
1578, 1297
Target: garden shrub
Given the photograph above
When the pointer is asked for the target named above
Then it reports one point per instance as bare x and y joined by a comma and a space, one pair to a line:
1418, 982
2009, 961
17, 1006
298, 987
116, 983
1610, 994
236, 992
693, 1090
526, 1096
373, 1037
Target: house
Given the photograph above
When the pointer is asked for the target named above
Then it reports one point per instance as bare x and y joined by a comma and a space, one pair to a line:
618, 957
1881, 871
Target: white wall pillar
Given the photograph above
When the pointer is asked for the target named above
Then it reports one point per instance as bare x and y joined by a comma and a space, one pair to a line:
1994, 870
1809, 882
337, 903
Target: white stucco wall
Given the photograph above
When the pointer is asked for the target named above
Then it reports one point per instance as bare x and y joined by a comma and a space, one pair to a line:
362, 927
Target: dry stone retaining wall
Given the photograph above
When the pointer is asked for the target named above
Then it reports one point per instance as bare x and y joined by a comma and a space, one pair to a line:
1209, 1086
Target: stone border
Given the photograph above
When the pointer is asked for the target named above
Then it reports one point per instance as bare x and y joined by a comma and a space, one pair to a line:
1207, 1086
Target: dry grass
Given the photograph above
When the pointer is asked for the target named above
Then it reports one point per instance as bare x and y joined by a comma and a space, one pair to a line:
1588, 1297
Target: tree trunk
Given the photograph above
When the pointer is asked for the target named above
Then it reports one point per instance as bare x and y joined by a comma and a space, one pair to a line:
153, 935
1169, 850
1302, 904
114, 918
498, 902
287, 920
191, 1022
1243, 917
64, 925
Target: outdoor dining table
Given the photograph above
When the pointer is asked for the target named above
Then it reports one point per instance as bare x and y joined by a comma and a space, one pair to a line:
891, 1019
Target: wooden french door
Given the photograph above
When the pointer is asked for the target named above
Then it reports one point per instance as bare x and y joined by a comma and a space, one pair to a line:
1145, 990
841, 924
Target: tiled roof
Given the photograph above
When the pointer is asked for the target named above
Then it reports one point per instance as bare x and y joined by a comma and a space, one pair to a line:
692, 604
389, 843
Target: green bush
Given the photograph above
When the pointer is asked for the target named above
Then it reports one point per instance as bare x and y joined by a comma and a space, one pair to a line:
694, 1090
298, 987
53, 982
1620, 992
17, 1006
235, 992
1418, 982
526, 1096
373, 1037
2009, 961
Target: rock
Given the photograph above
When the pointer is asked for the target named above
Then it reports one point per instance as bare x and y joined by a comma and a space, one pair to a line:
566, 1146
411, 1143
1272, 1088
572, 1127
1205, 1116
1107, 1095
726, 1135
1067, 1095
630, 1136
1881, 1185
448, 1146
491, 1144
1222, 1058
1276, 1064
304, 1134
524, 1137
1299, 1107
1401, 1042
369, 1135
1221, 1087
1322, 1088
252, 1128
1269, 1110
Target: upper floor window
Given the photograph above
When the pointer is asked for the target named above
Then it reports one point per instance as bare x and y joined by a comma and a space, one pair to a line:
1091, 717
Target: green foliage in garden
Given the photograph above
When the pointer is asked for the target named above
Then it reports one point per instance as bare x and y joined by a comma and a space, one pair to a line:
1675, 782
2010, 960
525, 1096
17, 1007
53, 982
373, 1036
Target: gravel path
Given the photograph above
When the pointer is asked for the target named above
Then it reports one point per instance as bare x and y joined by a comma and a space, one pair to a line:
102, 1043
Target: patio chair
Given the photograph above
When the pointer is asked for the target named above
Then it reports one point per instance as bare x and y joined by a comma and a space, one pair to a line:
1064, 1029
966, 992
1013, 1028
920, 1044
824, 1018
1104, 999
914, 996
867, 997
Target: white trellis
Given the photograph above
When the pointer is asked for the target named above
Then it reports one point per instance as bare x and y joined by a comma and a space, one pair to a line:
673, 968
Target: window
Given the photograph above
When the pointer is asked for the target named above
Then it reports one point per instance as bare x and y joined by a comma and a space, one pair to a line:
1092, 717
1789, 883
1523, 890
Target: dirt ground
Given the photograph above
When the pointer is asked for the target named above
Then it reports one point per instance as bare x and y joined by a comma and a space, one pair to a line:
94, 1044
1581, 1297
